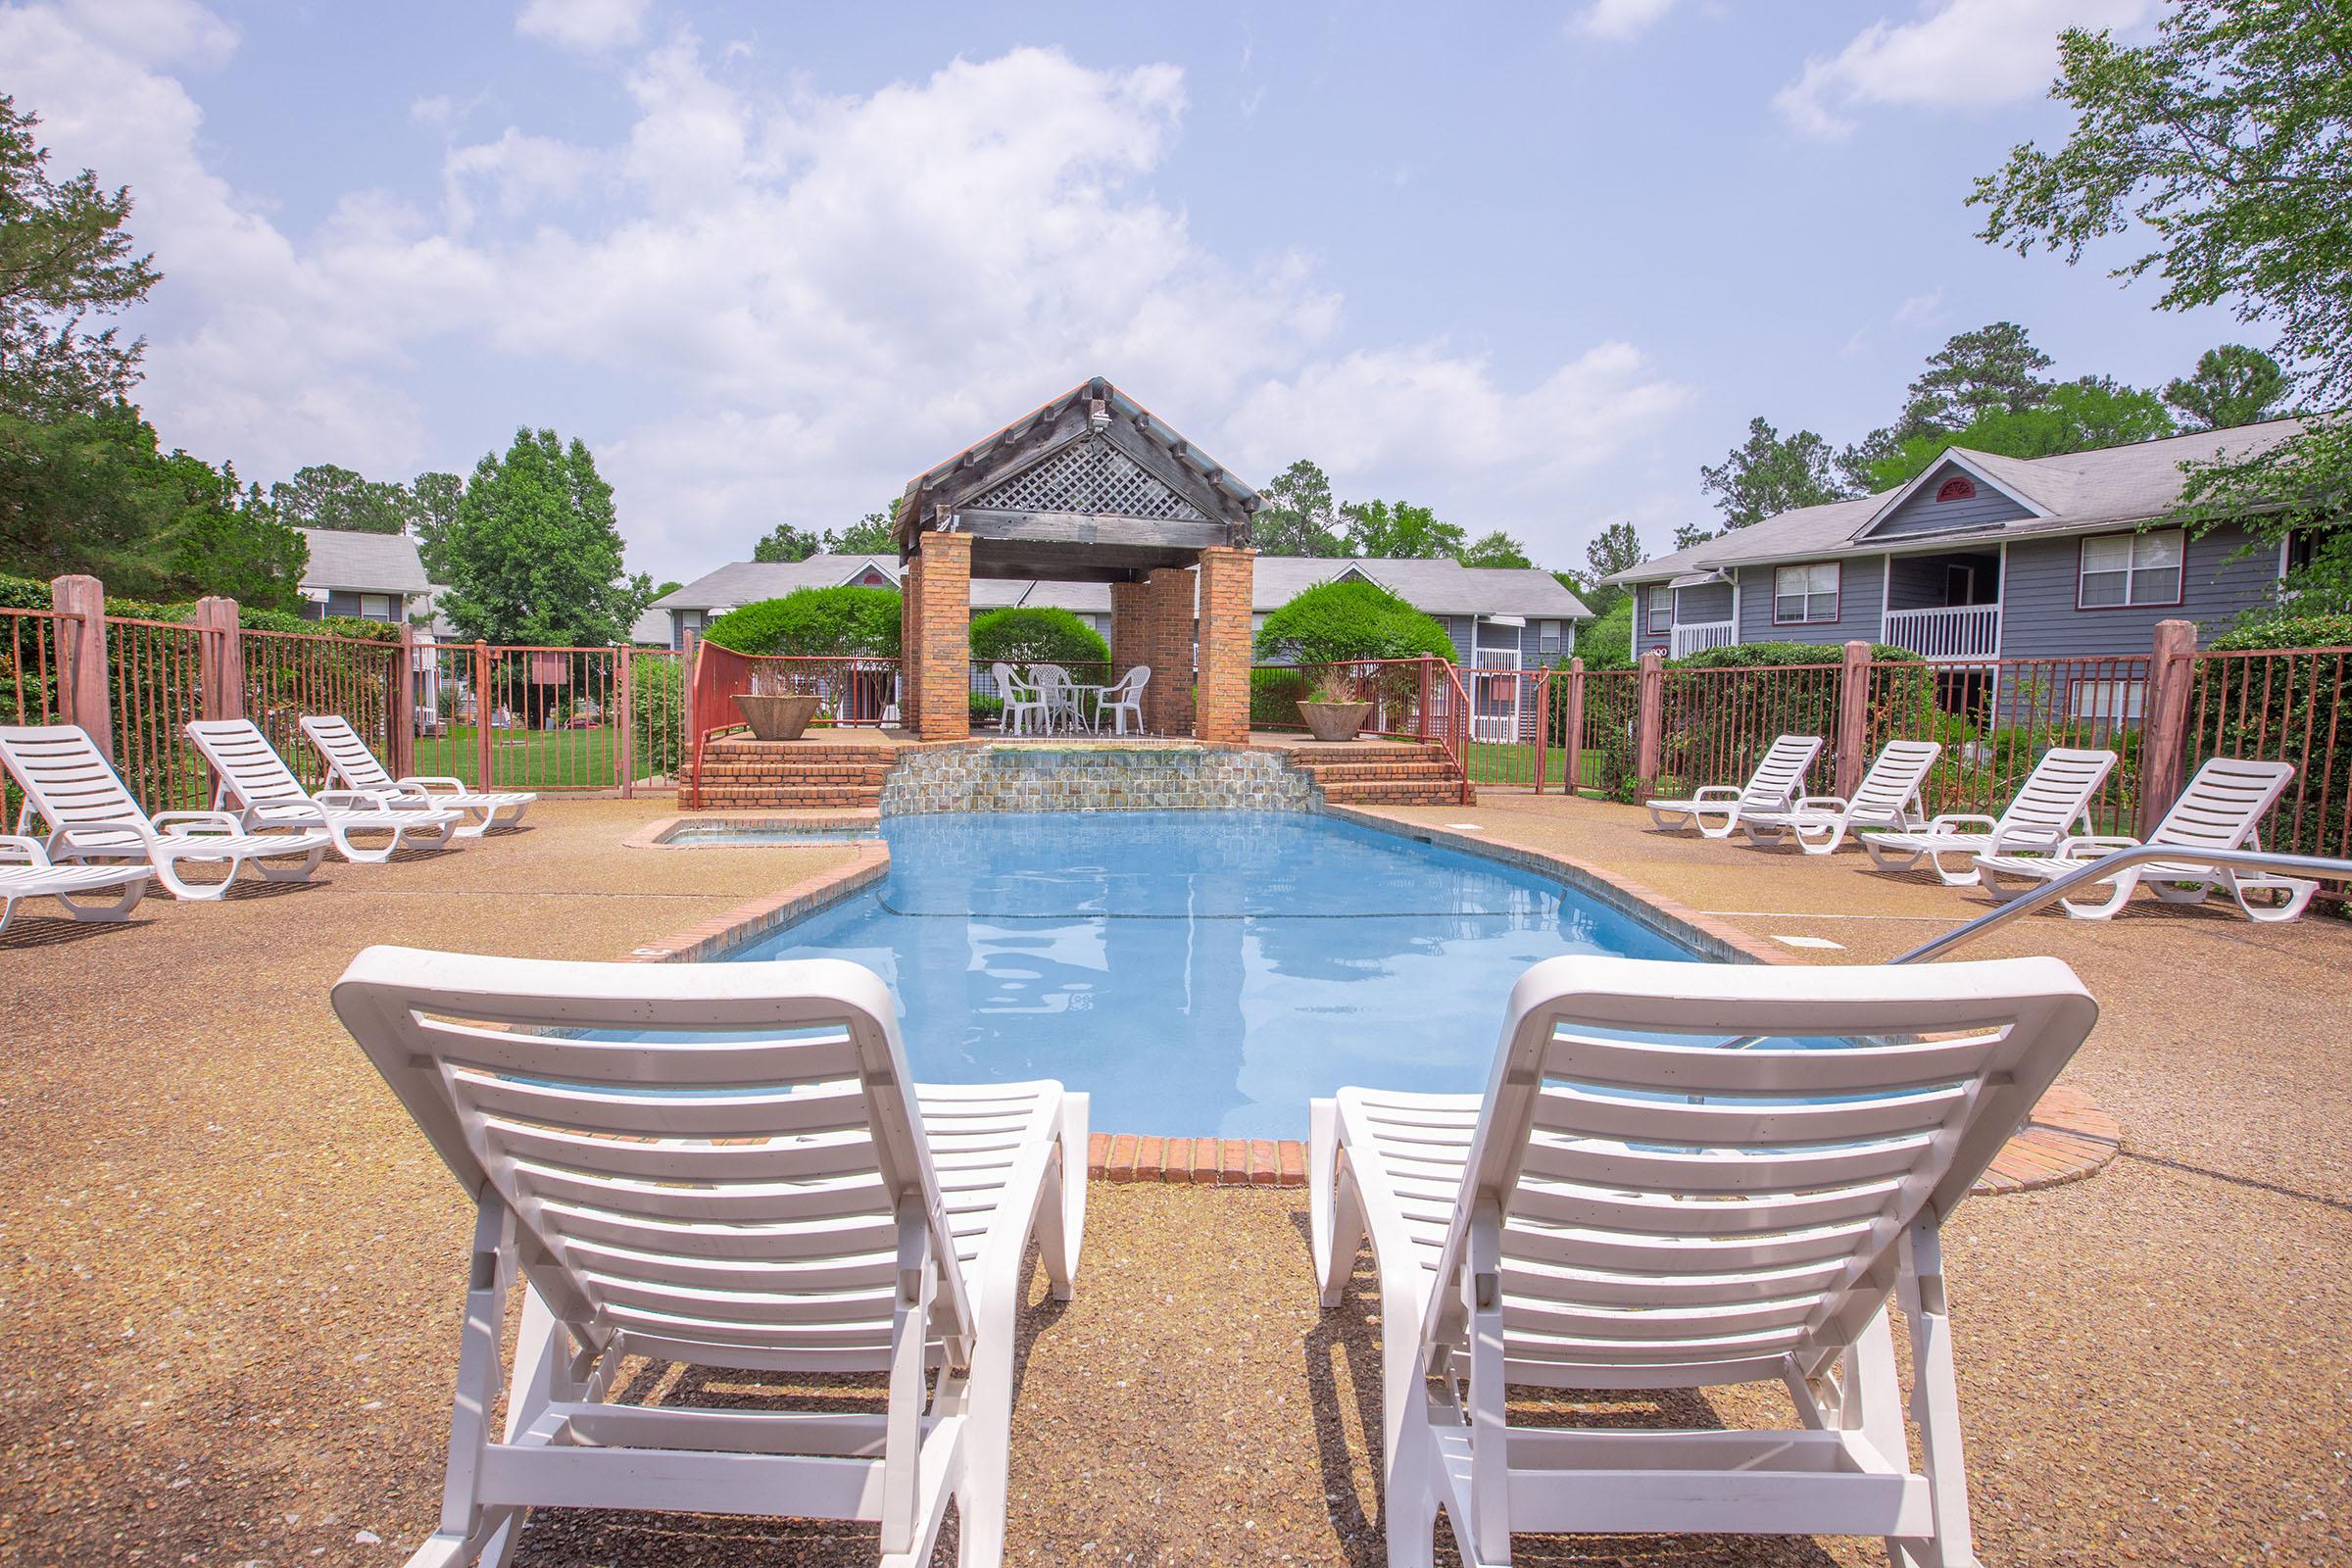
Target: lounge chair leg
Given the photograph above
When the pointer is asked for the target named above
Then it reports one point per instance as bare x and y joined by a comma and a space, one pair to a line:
987, 1438
301, 871
75, 910
353, 853
1409, 1512
1336, 1210
1062, 1207
1935, 1399
166, 871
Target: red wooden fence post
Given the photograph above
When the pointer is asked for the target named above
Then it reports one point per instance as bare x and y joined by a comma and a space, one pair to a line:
1649, 720
1542, 727
482, 715
82, 694
627, 721
2164, 726
219, 658
1572, 730
400, 728
1853, 710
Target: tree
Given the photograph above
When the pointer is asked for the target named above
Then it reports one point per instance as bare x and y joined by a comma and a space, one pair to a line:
234, 545
1990, 370
1615, 549
1400, 532
64, 259
1300, 517
1496, 549
850, 622
1768, 474
869, 535
534, 555
324, 496
2227, 138
433, 502
662, 590
2076, 417
1350, 619
784, 542
2231, 385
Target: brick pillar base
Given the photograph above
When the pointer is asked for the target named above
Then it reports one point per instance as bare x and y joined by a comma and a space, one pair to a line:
1130, 640
1168, 642
1225, 636
910, 644
945, 610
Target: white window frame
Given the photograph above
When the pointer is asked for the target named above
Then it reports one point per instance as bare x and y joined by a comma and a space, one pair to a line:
1656, 608
2107, 702
2132, 570
1809, 593
368, 601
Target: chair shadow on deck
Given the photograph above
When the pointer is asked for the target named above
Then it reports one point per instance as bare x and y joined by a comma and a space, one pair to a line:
725, 1541
1343, 1370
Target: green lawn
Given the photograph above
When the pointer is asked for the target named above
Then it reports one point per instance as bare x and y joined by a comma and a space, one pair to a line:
1494, 764
524, 759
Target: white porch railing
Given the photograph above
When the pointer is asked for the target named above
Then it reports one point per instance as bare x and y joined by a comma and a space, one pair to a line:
1701, 636
1958, 631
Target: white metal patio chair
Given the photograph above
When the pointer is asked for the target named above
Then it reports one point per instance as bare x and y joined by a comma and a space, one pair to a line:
1025, 701
1631, 1205
350, 765
1773, 787
1123, 699
28, 872
2052, 804
1054, 687
267, 795
1887, 797
89, 815
723, 1166
2221, 808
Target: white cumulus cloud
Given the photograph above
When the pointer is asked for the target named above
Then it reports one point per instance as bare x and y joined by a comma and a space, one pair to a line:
585, 24
1958, 54
1619, 19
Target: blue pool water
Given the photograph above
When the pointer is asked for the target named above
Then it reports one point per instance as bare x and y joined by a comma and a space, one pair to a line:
1200, 972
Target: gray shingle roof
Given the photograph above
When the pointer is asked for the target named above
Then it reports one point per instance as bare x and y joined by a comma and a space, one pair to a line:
746, 582
362, 562
2081, 492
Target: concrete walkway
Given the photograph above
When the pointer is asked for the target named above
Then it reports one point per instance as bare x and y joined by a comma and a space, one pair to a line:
227, 1326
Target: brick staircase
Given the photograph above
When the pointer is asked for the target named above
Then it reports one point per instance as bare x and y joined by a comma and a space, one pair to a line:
740, 773
1380, 774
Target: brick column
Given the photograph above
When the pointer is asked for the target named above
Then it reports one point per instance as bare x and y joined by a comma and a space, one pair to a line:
946, 634
81, 687
910, 642
1168, 648
1130, 635
1225, 636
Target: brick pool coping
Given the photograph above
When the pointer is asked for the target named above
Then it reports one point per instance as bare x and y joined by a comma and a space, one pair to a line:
2066, 1137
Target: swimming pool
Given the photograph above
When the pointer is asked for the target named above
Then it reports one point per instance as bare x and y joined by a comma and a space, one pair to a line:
1200, 972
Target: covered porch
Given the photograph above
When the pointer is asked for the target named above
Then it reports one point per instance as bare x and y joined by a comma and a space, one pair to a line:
1946, 605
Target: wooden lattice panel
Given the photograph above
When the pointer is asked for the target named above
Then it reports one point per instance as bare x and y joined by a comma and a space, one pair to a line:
1091, 477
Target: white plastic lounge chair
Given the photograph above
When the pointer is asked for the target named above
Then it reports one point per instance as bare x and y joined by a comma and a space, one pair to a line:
723, 1164
1025, 701
1887, 797
90, 815
1631, 1207
352, 766
2054, 803
247, 771
2221, 808
1123, 699
1773, 787
26, 872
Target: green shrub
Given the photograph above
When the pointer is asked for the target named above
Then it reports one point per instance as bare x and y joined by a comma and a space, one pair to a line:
656, 715
1037, 636
2297, 631
1606, 642
1744, 656
849, 622
1274, 696
986, 709
1335, 622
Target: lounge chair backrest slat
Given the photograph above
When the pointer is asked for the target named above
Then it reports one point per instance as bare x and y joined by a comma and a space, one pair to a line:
1780, 778
2057, 794
706, 1161
248, 767
1667, 1203
2223, 804
347, 756
66, 782
1894, 777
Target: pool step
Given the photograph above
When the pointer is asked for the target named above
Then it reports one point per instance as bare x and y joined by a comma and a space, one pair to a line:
1380, 774
740, 773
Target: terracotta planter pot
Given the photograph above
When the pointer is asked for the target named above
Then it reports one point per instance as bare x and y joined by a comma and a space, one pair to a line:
776, 718
1334, 721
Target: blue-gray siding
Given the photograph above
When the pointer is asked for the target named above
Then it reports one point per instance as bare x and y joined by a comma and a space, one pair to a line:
1924, 514
1860, 588
2040, 621
1692, 607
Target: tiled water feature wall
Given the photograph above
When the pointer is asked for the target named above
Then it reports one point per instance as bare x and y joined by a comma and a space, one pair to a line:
1093, 778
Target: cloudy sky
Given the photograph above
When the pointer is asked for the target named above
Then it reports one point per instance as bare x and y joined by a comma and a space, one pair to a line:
1530, 268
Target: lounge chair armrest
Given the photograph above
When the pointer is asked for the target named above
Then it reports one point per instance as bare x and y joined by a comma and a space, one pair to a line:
430, 782
355, 799
1716, 791
1953, 821
178, 824
2095, 845
15, 846
1820, 803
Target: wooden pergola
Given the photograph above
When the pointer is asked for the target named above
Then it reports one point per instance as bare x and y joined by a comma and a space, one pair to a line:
1091, 488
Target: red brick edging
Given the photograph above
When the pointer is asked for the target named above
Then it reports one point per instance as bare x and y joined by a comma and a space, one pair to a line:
2067, 1138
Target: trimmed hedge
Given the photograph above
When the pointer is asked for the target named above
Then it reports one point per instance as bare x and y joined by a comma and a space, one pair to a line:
1036, 635
1336, 622
1744, 656
27, 593
851, 622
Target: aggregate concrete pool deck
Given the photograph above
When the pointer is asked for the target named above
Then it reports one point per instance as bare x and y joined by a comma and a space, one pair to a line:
229, 1322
